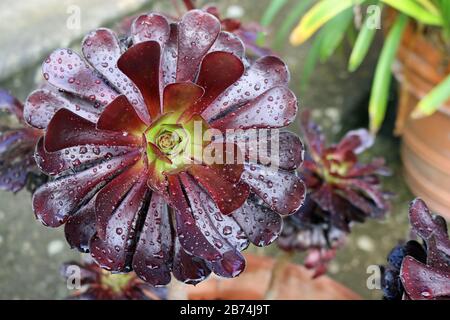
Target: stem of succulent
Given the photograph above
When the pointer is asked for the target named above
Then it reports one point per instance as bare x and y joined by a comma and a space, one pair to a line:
189, 4
277, 273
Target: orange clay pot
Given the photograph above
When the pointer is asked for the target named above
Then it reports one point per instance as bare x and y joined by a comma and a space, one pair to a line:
294, 283
425, 150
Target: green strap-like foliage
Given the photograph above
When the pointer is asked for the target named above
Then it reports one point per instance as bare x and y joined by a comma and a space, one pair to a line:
382, 80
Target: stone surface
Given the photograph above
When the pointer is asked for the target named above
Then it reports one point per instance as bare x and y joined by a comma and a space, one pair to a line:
30, 29
29, 265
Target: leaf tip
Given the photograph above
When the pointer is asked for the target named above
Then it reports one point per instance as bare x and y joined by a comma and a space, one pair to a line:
373, 127
297, 37
352, 66
417, 113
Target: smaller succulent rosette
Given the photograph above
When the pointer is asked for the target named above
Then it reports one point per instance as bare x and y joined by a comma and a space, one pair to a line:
418, 271
341, 190
97, 284
17, 142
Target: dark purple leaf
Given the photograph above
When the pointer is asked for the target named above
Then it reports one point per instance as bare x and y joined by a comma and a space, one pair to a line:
66, 130
113, 194
141, 63
56, 200
228, 42
180, 96
10, 104
169, 56
114, 253
220, 230
153, 255
265, 73
197, 32
102, 50
423, 282
14, 177
75, 158
150, 27
227, 195
41, 105
261, 225
218, 71
275, 108
120, 116
283, 191
80, 227
188, 269
66, 70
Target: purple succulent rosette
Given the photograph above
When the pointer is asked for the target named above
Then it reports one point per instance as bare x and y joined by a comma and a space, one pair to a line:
416, 271
114, 132
98, 284
341, 191
17, 142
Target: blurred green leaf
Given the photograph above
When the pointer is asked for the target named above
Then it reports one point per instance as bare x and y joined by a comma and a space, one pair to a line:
268, 16
382, 78
416, 11
444, 8
317, 16
351, 35
427, 4
333, 33
433, 100
362, 45
271, 11
289, 22
311, 61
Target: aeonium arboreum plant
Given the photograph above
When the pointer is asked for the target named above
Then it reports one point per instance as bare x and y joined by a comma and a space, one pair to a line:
17, 141
341, 191
128, 177
90, 282
417, 271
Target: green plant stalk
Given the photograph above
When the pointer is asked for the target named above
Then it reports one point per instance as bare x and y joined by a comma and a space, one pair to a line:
433, 100
351, 35
268, 16
416, 11
272, 10
382, 78
333, 33
325, 43
311, 61
444, 9
289, 22
427, 4
317, 16
362, 45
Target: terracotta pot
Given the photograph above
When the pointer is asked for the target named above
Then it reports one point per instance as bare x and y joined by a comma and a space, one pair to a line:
425, 151
295, 283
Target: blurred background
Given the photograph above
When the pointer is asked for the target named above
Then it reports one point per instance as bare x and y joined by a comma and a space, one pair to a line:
29, 30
